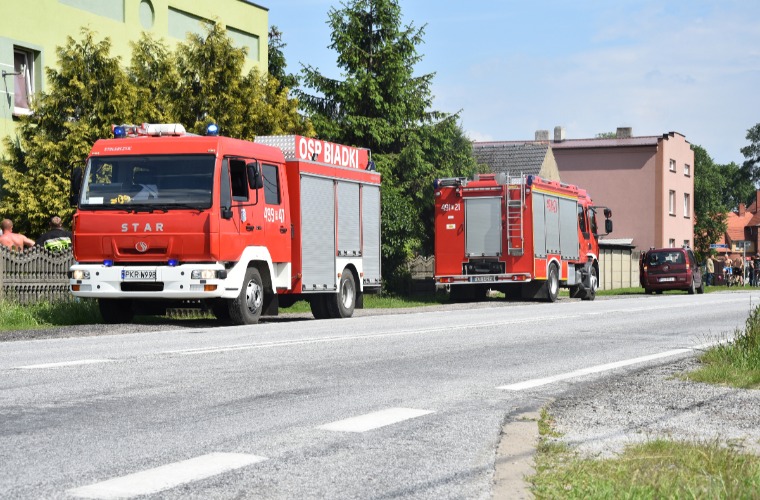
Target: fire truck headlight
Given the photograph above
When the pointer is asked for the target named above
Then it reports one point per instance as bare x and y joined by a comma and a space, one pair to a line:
79, 274
204, 274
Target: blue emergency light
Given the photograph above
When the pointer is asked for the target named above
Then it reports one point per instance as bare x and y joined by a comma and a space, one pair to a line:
212, 129
120, 132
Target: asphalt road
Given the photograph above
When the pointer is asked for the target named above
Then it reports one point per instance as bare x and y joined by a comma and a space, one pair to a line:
378, 406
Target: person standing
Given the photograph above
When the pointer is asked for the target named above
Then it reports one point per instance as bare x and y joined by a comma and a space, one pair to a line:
11, 240
710, 270
756, 270
57, 238
727, 269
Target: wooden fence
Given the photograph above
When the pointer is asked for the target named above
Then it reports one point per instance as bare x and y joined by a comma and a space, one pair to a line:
34, 275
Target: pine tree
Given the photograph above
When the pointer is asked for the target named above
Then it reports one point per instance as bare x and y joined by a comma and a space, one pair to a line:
380, 104
276, 59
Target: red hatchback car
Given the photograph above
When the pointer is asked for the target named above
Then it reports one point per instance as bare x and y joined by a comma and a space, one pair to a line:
670, 269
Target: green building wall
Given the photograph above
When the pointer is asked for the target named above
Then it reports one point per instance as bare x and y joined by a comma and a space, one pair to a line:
38, 27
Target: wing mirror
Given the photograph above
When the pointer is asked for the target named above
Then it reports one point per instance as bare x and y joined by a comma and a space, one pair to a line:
255, 181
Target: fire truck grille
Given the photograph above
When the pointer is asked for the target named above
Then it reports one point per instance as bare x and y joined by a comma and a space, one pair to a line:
142, 287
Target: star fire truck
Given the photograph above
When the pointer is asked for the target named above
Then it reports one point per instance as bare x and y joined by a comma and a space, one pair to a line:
523, 236
165, 219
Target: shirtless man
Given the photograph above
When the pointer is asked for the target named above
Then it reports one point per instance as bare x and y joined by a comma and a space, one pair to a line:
13, 240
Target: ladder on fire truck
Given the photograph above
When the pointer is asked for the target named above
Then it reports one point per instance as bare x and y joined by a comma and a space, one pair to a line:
515, 204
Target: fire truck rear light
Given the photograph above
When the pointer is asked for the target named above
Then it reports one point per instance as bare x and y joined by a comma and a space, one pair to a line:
108, 263
74, 288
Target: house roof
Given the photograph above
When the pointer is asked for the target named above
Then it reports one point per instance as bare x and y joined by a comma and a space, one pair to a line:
736, 224
581, 143
511, 158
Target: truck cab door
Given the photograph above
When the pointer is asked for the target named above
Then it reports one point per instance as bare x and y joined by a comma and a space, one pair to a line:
276, 217
238, 223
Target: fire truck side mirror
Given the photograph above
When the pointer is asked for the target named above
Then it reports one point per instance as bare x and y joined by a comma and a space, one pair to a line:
76, 186
608, 226
607, 213
254, 175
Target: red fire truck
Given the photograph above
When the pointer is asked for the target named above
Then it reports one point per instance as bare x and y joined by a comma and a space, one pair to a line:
523, 236
166, 218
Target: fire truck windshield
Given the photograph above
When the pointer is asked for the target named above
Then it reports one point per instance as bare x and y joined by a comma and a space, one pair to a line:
166, 181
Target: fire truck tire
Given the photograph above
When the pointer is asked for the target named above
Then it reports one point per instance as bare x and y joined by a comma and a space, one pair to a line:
552, 284
591, 292
341, 304
318, 306
246, 308
575, 292
116, 311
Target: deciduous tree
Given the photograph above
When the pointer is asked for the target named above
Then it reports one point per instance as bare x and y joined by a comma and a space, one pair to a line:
710, 211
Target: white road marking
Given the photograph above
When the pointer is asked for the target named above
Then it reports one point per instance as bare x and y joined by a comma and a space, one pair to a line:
529, 384
167, 476
65, 363
374, 420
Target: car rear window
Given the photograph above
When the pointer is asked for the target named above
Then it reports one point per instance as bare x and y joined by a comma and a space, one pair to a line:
657, 258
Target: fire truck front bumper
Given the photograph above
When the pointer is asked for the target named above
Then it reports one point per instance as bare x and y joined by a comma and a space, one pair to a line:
186, 281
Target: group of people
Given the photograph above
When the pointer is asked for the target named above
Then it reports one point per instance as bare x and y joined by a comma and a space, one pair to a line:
56, 239
736, 271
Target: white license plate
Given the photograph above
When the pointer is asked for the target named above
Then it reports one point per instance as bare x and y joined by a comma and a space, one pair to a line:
665, 280
481, 278
138, 275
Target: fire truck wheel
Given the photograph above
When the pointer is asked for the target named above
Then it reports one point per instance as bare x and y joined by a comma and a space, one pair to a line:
591, 292
318, 306
246, 308
116, 311
552, 284
341, 304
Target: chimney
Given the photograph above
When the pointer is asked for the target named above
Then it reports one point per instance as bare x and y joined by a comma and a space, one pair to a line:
542, 135
559, 134
742, 209
624, 133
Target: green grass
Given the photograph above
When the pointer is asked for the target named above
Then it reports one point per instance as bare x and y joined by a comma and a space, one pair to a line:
656, 469
47, 314
735, 363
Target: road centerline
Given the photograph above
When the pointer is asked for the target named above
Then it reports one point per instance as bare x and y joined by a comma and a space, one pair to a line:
374, 420
166, 476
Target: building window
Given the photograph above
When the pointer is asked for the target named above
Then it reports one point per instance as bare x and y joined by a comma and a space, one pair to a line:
23, 82
672, 242
672, 202
686, 205
687, 170
686, 243
672, 165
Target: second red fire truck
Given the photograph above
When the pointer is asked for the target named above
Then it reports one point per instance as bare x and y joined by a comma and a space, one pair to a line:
166, 218
523, 236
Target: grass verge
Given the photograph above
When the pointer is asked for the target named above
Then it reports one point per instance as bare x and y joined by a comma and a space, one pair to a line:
735, 363
656, 469
14, 316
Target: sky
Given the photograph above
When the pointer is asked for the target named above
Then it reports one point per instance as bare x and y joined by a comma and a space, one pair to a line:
510, 68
